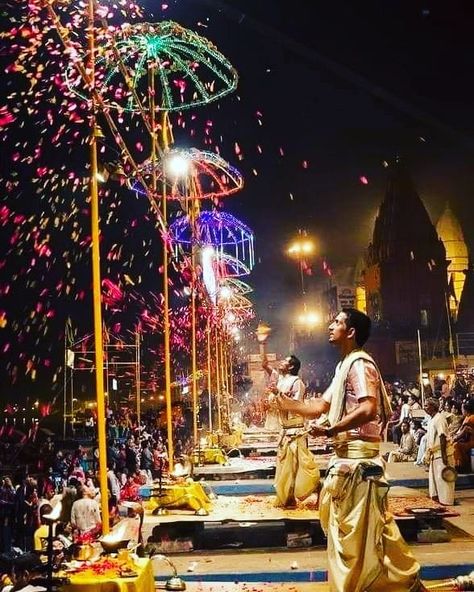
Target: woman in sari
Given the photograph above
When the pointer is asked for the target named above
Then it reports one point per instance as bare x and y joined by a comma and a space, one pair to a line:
464, 438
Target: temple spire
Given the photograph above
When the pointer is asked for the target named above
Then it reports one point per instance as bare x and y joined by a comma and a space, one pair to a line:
450, 231
406, 268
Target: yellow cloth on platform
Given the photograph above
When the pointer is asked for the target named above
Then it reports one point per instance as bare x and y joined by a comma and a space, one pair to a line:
181, 495
89, 581
233, 440
366, 552
297, 475
209, 456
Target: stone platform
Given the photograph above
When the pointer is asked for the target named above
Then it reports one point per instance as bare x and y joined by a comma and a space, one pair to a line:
305, 570
253, 521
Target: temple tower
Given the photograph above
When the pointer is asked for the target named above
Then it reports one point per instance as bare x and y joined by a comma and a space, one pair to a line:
450, 232
465, 321
405, 278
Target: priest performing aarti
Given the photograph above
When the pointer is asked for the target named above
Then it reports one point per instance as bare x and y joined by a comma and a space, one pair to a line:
366, 552
297, 475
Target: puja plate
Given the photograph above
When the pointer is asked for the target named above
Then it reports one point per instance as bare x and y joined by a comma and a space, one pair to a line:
128, 574
420, 511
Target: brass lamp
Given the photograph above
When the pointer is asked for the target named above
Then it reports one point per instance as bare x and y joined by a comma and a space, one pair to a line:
175, 583
262, 332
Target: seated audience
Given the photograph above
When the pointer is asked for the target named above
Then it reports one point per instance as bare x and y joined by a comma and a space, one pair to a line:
407, 450
464, 438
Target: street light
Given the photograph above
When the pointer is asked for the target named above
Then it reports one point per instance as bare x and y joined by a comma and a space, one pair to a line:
301, 249
309, 319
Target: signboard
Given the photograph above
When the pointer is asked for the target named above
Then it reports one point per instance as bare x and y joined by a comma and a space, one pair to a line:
346, 297
338, 297
406, 352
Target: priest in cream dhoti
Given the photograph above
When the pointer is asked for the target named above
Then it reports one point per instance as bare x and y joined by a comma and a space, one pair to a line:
296, 475
439, 456
366, 552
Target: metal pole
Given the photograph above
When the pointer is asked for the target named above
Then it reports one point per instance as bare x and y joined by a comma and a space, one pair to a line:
96, 285
137, 377
209, 381
422, 386
231, 372
218, 381
193, 324
225, 346
302, 276
166, 315
221, 367
106, 362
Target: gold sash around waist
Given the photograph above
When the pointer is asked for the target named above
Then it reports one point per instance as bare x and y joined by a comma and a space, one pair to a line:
354, 449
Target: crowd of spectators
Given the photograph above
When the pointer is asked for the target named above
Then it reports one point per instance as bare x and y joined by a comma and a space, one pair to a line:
408, 425
136, 454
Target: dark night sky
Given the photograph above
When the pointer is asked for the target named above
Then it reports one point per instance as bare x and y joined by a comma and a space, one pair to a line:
347, 85
343, 86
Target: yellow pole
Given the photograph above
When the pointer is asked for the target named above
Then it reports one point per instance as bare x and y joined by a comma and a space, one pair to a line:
166, 312
226, 374
231, 372
193, 322
193, 342
96, 287
209, 381
218, 381
221, 368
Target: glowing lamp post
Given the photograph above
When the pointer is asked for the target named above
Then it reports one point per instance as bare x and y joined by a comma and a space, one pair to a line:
308, 320
301, 249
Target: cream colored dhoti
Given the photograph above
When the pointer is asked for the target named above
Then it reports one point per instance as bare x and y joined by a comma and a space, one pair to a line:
438, 487
297, 474
366, 552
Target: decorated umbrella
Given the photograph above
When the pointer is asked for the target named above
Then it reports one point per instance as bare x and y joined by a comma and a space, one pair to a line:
146, 68
236, 285
216, 232
220, 230
234, 302
186, 69
191, 174
230, 267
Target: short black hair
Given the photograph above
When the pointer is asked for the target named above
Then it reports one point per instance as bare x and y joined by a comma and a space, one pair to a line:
28, 562
295, 365
360, 322
469, 405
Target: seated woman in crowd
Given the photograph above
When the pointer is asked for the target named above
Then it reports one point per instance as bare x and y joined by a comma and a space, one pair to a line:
455, 418
414, 403
464, 438
417, 430
407, 450
394, 419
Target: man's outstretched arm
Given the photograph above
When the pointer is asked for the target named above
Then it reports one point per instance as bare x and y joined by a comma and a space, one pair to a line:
266, 365
310, 408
